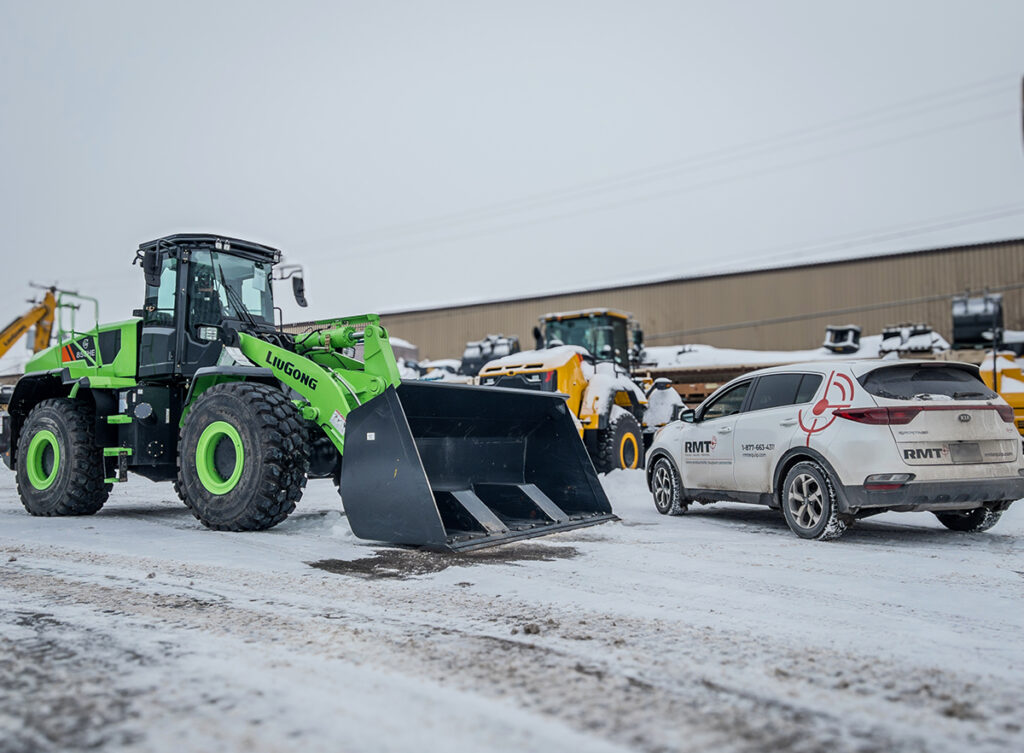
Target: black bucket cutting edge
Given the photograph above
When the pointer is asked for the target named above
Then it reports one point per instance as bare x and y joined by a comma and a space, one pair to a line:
457, 467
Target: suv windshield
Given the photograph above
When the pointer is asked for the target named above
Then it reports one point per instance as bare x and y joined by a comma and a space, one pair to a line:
921, 382
602, 336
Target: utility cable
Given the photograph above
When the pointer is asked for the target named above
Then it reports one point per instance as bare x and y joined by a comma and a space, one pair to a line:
874, 117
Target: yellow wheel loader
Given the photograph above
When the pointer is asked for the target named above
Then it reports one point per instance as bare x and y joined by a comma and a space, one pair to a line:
586, 355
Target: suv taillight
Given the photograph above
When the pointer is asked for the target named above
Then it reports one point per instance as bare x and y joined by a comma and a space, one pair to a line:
906, 415
1005, 412
878, 415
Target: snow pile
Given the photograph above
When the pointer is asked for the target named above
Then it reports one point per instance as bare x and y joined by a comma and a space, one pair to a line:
607, 381
702, 356
1009, 369
660, 404
547, 359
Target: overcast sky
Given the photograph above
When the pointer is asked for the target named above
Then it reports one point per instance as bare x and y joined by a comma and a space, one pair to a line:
424, 153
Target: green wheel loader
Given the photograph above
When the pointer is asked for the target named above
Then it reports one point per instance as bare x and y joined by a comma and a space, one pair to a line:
202, 389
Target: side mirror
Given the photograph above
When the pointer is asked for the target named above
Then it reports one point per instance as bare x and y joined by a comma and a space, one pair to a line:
638, 337
684, 414
537, 339
299, 290
151, 268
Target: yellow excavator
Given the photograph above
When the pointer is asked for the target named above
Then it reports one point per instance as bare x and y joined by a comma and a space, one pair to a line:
41, 316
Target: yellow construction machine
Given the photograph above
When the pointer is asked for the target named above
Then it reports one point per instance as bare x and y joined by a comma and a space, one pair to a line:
40, 316
1003, 374
587, 355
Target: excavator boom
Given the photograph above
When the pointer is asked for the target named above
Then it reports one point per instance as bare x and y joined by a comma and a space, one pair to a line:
40, 316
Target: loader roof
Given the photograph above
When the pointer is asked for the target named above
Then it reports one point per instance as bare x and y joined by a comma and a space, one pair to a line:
223, 243
581, 313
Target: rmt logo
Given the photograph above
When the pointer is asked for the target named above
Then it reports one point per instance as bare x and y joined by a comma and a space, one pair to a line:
924, 453
692, 448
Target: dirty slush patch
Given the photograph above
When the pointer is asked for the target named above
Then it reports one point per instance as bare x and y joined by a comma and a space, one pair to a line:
401, 564
57, 688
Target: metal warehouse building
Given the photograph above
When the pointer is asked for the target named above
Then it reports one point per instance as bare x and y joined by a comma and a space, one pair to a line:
778, 308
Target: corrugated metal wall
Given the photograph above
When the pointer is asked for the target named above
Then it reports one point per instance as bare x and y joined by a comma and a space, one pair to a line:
774, 309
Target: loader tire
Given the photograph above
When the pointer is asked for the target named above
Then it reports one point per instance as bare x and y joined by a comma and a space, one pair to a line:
59, 466
243, 457
621, 445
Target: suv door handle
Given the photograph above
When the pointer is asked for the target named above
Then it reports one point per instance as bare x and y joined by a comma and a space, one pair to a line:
725, 430
788, 422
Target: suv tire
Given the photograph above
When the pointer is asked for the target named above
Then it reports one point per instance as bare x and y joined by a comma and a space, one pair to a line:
667, 488
969, 521
808, 499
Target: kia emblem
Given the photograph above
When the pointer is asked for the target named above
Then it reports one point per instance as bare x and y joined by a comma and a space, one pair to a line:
965, 417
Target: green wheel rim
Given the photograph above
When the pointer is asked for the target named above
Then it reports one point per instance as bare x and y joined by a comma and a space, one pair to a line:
37, 475
206, 449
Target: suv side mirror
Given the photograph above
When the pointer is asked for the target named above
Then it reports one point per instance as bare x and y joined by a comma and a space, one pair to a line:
684, 414
151, 268
299, 290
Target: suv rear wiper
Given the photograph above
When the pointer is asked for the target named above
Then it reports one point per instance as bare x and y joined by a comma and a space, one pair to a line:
890, 395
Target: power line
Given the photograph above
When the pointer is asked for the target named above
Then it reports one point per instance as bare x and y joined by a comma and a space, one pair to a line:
874, 117
712, 183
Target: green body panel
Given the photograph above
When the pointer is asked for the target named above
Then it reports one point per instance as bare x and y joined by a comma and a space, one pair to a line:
82, 356
331, 383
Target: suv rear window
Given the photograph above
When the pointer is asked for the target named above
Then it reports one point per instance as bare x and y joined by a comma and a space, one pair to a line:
909, 381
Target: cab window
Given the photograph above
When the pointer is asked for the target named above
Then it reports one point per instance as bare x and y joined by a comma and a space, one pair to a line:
727, 403
159, 306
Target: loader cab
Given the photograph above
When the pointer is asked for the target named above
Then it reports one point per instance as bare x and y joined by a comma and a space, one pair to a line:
195, 286
604, 333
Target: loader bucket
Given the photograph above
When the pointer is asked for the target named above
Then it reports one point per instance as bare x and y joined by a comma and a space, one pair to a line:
457, 467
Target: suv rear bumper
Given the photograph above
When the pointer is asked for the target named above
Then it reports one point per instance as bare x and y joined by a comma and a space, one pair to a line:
963, 494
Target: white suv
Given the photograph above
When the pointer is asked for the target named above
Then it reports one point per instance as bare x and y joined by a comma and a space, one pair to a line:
829, 443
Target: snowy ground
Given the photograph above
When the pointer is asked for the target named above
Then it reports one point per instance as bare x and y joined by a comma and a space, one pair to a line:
137, 629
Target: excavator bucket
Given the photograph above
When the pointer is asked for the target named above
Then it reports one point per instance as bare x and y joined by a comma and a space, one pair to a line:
456, 467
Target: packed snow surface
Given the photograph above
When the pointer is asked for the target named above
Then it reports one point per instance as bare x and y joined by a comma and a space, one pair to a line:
139, 630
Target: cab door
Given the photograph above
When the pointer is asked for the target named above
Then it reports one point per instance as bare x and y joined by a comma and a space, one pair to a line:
158, 341
769, 426
707, 453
